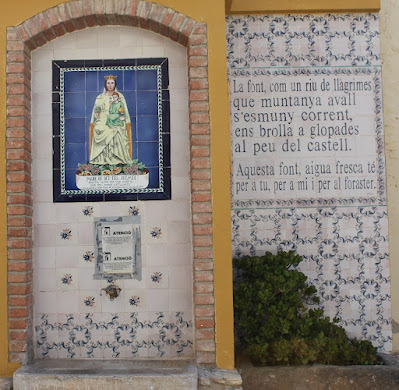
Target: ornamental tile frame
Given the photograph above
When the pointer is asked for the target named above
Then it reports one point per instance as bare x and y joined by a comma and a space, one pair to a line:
21, 41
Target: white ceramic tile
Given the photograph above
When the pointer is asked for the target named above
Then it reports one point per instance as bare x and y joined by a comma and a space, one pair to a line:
87, 39
109, 37
156, 255
177, 56
179, 100
179, 210
71, 54
180, 299
66, 234
42, 147
41, 60
181, 187
66, 212
44, 235
133, 284
42, 126
156, 211
42, 191
179, 123
86, 233
45, 302
41, 103
113, 209
86, 281
157, 300
153, 51
67, 302
179, 232
45, 279
131, 37
43, 257
44, 213
180, 277
42, 169
67, 279
179, 254
66, 257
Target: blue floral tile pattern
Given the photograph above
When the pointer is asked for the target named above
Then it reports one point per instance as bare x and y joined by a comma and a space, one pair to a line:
343, 241
133, 210
66, 279
88, 256
156, 277
66, 234
88, 211
134, 301
302, 40
156, 232
345, 256
90, 301
115, 336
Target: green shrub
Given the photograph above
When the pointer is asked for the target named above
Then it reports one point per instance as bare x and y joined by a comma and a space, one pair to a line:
275, 326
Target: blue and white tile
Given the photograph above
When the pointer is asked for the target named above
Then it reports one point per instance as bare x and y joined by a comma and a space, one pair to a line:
135, 301
157, 277
67, 279
155, 233
66, 234
86, 257
87, 212
89, 301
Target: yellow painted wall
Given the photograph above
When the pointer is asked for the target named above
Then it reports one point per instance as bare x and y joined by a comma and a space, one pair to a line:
213, 13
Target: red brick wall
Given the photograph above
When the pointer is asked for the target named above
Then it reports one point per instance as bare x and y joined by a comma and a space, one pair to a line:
39, 30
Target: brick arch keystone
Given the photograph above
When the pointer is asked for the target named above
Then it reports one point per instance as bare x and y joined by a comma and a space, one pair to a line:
41, 29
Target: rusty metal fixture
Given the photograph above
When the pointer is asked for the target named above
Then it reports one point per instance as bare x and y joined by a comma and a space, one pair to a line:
112, 291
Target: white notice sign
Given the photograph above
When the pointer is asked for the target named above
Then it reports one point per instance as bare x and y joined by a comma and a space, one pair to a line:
118, 248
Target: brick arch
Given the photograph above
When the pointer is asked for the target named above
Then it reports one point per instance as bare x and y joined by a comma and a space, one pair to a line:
41, 29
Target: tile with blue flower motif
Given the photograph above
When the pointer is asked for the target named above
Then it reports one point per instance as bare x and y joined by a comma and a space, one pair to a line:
66, 279
87, 211
66, 234
155, 233
135, 301
86, 257
89, 302
157, 277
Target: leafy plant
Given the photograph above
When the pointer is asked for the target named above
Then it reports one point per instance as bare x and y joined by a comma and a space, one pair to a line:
275, 322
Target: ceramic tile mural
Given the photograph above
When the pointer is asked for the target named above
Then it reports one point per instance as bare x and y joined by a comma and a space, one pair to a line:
74, 317
111, 130
308, 164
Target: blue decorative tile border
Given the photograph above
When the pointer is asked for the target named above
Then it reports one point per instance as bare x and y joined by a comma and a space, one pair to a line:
113, 336
303, 40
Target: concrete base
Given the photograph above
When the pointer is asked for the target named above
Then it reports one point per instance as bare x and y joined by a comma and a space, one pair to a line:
319, 377
107, 375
